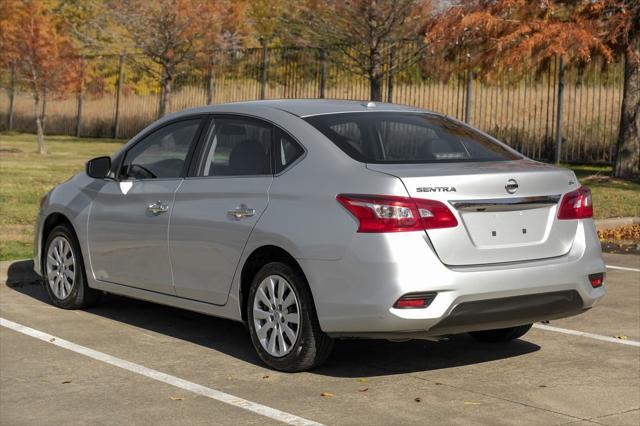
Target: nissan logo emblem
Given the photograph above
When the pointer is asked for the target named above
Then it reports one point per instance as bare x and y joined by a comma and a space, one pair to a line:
511, 186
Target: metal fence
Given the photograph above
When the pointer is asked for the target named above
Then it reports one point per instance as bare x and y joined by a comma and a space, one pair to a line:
121, 95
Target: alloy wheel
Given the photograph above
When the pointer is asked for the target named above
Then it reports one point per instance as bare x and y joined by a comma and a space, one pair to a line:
61, 267
276, 315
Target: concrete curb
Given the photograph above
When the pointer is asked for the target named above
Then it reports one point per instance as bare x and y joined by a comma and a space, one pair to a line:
615, 222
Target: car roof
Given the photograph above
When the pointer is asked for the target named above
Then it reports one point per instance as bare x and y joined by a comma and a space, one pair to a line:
306, 107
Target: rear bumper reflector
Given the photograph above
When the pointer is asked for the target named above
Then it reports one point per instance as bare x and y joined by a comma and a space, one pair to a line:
596, 280
415, 300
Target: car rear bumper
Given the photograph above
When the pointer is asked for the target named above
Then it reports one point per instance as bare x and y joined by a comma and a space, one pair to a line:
354, 295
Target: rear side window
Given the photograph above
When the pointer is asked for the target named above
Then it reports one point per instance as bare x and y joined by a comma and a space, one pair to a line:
161, 154
236, 146
287, 151
388, 137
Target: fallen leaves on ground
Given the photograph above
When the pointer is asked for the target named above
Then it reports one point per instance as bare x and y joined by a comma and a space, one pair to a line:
418, 399
621, 337
621, 233
327, 395
176, 398
363, 389
266, 376
362, 380
66, 382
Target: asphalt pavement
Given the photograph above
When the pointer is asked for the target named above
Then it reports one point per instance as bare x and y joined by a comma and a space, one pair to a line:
132, 362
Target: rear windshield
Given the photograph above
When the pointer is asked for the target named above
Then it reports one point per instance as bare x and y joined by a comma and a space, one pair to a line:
396, 137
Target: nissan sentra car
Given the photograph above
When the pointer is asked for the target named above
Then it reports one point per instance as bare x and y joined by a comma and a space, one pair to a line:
311, 220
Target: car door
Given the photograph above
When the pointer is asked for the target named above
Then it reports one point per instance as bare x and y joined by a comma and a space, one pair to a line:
129, 218
216, 209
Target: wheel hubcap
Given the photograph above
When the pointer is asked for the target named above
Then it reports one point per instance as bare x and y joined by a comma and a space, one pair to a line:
61, 267
276, 315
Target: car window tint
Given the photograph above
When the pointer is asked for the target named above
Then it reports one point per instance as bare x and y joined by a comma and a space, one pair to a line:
288, 151
349, 131
387, 137
162, 154
236, 146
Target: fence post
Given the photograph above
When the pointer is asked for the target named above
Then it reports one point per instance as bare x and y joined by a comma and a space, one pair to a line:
390, 78
80, 98
12, 96
116, 121
467, 105
323, 73
559, 111
265, 63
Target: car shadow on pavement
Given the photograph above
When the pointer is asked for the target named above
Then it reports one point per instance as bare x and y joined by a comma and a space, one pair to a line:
351, 358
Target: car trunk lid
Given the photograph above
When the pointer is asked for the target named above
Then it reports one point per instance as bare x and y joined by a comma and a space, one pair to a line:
506, 210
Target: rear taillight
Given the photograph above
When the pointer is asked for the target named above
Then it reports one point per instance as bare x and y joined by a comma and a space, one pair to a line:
576, 204
388, 213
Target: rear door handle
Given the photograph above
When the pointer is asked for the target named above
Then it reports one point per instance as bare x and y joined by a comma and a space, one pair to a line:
157, 208
241, 211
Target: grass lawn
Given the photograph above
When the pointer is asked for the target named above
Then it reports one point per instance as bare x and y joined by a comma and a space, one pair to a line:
611, 197
25, 176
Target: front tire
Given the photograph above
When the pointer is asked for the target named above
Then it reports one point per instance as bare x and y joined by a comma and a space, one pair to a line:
282, 320
502, 334
64, 274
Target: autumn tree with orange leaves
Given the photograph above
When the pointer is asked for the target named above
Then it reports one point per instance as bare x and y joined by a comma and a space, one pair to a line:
172, 33
224, 26
520, 35
31, 42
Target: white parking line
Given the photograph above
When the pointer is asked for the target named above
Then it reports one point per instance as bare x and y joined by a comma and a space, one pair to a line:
622, 268
263, 410
589, 335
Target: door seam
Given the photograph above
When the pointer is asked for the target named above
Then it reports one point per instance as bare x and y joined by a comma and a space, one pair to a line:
173, 203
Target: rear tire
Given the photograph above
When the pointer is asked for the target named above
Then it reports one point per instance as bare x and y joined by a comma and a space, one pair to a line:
63, 271
502, 334
282, 320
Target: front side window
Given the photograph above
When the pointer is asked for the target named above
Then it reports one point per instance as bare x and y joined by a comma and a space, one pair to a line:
395, 137
236, 146
162, 154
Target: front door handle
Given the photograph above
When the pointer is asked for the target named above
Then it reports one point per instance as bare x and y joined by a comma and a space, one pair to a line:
241, 211
157, 208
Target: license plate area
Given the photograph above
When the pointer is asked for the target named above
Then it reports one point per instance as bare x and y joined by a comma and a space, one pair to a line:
507, 228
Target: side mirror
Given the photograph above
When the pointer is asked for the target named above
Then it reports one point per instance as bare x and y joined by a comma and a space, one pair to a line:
99, 167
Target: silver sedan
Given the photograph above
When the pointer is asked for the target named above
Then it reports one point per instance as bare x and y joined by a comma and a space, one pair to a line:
316, 220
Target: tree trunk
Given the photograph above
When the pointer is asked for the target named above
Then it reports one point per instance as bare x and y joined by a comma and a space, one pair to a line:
211, 80
12, 96
42, 149
390, 77
43, 115
323, 73
375, 86
116, 120
375, 75
165, 93
628, 148
80, 99
265, 67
